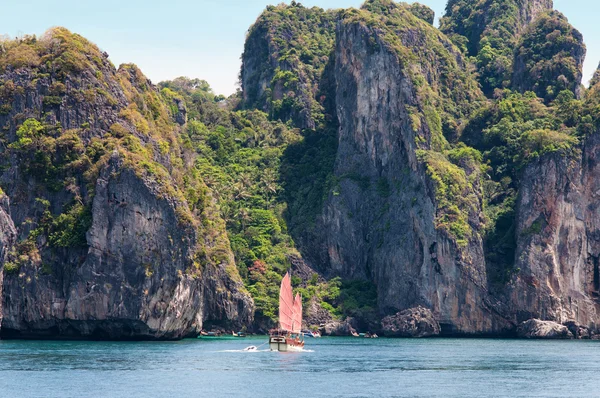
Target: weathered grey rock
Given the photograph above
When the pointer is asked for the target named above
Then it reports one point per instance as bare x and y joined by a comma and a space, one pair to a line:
181, 116
558, 245
414, 322
391, 238
338, 328
264, 54
316, 314
537, 329
578, 331
529, 10
134, 281
8, 235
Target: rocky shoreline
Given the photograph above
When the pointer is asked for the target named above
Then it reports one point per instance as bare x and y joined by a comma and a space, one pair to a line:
420, 323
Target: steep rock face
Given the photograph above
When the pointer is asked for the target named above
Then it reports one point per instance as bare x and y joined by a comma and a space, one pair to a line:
549, 57
107, 244
337, 328
385, 220
8, 234
559, 239
134, 281
404, 207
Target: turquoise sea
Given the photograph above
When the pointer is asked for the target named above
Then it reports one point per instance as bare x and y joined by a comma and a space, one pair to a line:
332, 367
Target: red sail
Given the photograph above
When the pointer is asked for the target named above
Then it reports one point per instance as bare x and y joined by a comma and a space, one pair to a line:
286, 305
297, 321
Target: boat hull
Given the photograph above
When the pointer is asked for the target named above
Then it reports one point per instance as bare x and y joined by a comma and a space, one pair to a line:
283, 344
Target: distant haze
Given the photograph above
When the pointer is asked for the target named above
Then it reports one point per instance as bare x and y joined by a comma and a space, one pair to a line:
203, 38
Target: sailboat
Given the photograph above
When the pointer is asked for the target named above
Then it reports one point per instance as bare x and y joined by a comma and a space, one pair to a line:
288, 336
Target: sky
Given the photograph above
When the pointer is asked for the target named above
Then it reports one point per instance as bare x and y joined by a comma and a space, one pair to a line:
203, 38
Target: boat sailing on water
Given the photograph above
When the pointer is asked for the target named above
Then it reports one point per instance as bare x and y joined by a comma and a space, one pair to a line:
288, 337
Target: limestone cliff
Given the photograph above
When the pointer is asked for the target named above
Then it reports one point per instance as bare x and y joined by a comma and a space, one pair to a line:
483, 19
113, 239
383, 164
388, 218
7, 238
529, 10
433, 222
559, 239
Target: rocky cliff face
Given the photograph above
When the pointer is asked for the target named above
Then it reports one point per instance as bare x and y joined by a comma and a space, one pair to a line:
107, 245
405, 208
135, 279
385, 220
107, 229
558, 245
7, 238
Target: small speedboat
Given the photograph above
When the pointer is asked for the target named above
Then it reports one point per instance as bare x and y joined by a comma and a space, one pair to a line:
310, 333
209, 334
239, 334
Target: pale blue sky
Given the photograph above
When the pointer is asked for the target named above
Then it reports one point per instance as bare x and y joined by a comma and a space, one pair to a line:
202, 38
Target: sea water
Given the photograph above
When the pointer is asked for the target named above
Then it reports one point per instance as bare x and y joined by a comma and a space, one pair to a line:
331, 367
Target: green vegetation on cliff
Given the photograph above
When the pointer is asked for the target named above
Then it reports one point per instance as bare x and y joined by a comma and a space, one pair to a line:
61, 153
423, 12
240, 155
488, 30
596, 78
456, 176
285, 54
549, 57
590, 114
454, 91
